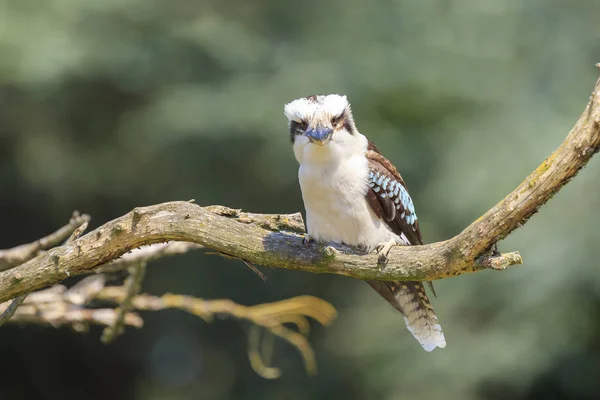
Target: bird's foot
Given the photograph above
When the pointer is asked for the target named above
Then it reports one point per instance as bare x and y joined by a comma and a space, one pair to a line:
307, 239
383, 250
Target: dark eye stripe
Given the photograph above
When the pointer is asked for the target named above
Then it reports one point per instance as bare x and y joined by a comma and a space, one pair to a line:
348, 126
344, 121
296, 128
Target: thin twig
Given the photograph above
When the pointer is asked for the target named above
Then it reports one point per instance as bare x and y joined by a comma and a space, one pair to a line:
77, 232
18, 255
149, 253
57, 306
269, 316
85, 290
501, 261
11, 258
255, 270
133, 285
248, 264
57, 315
52, 307
11, 309
256, 354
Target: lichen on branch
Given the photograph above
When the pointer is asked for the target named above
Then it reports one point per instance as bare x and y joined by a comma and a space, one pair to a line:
275, 240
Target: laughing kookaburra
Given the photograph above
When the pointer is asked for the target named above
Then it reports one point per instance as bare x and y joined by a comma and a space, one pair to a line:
353, 195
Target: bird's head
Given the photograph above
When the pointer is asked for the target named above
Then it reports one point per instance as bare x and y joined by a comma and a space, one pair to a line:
321, 126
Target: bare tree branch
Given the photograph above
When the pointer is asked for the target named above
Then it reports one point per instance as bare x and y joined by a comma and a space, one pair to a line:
10, 258
58, 306
11, 309
149, 253
85, 290
53, 307
270, 316
275, 240
133, 285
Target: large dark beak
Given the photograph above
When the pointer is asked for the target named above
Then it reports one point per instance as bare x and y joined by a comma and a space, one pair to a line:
319, 135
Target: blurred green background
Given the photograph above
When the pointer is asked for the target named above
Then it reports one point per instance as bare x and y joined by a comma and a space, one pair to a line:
108, 105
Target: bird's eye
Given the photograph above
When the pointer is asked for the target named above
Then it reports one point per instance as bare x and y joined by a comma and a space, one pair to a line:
335, 121
301, 126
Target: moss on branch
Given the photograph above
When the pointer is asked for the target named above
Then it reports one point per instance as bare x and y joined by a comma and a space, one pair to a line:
275, 240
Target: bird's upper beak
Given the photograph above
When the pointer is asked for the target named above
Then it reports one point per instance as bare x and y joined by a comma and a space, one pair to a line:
320, 135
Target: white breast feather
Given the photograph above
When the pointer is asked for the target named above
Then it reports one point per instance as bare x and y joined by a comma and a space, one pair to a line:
334, 183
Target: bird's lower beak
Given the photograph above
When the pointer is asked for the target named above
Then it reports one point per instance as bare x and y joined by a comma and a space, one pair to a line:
320, 135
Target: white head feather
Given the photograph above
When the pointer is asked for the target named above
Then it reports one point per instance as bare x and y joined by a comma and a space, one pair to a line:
314, 108
319, 110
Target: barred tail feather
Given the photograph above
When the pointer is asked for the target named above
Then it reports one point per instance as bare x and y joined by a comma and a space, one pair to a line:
411, 300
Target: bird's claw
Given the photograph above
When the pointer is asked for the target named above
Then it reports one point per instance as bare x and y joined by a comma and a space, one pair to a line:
382, 260
307, 239
383, 250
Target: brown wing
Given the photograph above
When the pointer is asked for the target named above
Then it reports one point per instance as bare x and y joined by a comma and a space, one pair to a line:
391, 202
389, 198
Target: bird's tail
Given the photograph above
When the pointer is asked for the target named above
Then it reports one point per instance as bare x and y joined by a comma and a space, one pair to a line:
411, 300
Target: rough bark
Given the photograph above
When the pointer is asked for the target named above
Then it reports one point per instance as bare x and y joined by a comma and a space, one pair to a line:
276, 240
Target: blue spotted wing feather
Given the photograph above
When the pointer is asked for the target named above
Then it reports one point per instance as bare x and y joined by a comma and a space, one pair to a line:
389, 198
